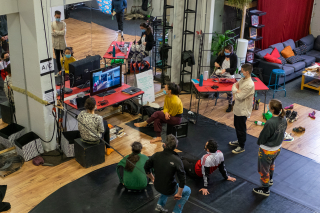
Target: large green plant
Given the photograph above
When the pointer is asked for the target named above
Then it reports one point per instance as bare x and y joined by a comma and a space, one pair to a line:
239, 3
219, 41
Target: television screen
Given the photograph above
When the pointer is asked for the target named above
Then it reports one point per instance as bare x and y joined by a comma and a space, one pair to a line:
105, 79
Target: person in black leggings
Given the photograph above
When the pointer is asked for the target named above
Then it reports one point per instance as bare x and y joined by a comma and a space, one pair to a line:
214, 159
90, 125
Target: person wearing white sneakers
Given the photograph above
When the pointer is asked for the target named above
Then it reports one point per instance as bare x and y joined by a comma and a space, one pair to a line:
243, 92
270, 141
117, 9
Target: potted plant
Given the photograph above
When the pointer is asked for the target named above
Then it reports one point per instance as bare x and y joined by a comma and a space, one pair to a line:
219, 41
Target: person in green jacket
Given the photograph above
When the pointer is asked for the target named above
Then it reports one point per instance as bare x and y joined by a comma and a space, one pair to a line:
130, 169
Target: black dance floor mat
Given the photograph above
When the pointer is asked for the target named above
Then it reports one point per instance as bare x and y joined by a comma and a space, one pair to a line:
296, 177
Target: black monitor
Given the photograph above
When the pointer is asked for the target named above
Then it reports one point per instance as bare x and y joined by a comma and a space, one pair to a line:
79, 71
105, 79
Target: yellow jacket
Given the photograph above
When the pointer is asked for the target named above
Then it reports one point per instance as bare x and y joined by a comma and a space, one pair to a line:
173, 105
67, 61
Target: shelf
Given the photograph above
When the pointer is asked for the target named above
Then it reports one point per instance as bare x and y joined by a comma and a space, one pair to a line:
257, 38
167, 47
255, 50
185, 72
258, 27
168, 27
188, 32
189, 11
257, 12
169, 6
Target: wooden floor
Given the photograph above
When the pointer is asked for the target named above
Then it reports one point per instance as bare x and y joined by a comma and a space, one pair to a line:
32, 184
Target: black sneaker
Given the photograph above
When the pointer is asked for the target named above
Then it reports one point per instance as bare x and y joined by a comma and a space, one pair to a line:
293, 116
270, 182
238, 150
288, 113
159, 208
229, 108
234, 143
262, 191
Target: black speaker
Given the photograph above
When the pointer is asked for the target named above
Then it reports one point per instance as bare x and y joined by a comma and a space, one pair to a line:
88, 155
180, 130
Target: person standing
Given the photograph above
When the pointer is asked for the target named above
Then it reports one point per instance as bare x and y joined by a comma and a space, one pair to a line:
166, 164
4, 34
226, 65
146, 37
270, 141
118, 7
243, 92
59, 29
5, 61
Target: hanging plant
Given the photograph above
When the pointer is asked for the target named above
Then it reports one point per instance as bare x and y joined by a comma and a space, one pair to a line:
239, 3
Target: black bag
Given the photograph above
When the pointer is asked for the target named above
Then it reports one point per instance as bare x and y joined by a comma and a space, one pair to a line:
148, 110
145, 5
131, 107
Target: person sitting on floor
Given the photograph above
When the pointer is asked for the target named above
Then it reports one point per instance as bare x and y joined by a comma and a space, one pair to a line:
270, 142
226, 65
5, 61
92, 127
171, 113
206, 165
130, 169
67, 59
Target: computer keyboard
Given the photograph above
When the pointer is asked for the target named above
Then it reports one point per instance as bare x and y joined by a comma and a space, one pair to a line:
109, 92
131, 90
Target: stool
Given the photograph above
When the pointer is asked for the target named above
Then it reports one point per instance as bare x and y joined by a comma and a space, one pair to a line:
88, 155
276, 85
180, 130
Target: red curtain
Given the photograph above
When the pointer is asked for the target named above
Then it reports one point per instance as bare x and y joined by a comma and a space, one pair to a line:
285, 19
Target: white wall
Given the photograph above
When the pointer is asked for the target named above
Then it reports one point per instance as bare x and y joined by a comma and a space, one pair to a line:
53, 9
315, 21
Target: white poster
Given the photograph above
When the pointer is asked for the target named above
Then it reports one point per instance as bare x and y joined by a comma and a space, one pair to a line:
145, 83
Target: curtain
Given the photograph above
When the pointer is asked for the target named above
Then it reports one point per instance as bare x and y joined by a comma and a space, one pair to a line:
105, 6
285, 19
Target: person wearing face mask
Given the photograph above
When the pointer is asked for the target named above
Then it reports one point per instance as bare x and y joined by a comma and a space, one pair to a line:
146, 37
5, 61
243, 92
171, 113
67, 59
226, 65
88, 119
270, 141
58, 28
204, 167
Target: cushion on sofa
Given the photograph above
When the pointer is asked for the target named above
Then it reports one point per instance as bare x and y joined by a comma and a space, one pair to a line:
301, 50
282, 59
316, 45
290, 43
308, 59
288, 70
287, 52
275, 53
297, 66
279, 46
272, 59
309, 41
262, 53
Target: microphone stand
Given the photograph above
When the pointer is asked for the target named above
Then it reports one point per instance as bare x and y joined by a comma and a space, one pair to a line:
62, 91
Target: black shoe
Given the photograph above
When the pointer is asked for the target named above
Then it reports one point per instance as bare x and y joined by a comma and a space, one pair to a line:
293, 116
229, 108
288, 113
4, 206
262, 191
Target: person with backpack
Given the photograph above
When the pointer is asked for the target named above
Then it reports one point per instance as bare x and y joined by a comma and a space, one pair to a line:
171, 113
270, 142
130, 169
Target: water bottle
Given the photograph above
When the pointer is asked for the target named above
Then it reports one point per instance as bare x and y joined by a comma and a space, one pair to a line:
113, 51
260, 123
201, 80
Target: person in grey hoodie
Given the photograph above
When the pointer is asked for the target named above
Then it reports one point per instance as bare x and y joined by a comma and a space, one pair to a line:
270, 141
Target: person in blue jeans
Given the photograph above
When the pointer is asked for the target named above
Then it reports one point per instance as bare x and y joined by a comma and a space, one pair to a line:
165, 165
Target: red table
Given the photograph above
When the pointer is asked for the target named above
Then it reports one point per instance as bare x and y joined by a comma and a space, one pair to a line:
107, 55
223, 87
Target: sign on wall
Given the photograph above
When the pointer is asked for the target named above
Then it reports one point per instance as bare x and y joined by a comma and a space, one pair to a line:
105, 6
145, 83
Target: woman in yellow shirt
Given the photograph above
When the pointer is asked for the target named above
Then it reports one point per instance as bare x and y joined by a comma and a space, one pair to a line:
68, 59
171, 113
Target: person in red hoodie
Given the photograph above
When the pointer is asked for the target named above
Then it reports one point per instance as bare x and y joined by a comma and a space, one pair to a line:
5, 61
206, 165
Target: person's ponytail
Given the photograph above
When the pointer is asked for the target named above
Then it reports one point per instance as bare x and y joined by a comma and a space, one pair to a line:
282, 114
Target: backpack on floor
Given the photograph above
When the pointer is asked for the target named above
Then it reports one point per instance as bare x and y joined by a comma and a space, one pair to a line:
131, 107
